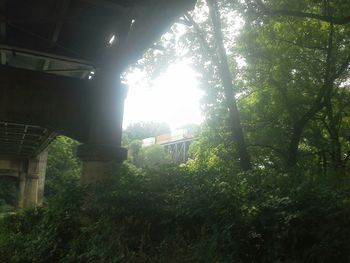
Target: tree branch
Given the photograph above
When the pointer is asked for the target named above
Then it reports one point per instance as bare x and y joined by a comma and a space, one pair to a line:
298, 44
319, 102
342, 68
266, 146
347, 158
229, 91
283, 12
201, 38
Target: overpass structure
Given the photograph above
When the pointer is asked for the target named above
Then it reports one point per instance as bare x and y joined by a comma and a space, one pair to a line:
60, 73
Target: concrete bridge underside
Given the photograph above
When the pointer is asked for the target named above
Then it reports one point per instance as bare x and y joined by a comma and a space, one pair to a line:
60, 75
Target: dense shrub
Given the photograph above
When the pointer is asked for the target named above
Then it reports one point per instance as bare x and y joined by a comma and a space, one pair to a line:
177, 215
8, 194
62, 163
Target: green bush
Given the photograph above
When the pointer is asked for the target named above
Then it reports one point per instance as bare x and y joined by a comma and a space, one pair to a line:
8, 194
62, 163
178, 215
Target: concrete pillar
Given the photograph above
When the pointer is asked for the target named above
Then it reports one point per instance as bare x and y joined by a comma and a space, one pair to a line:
32, 181
97, 160
104, 146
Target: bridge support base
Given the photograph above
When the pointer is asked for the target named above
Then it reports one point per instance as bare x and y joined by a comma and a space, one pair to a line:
97, 161
32, 180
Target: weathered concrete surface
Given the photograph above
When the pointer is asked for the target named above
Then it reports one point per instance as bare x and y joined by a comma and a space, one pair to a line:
32, 180
94, 171
97, 160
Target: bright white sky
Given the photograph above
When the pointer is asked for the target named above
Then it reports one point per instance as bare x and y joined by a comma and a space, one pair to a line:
173, 97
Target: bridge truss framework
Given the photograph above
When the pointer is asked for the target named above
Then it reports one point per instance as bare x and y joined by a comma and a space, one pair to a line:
178, 150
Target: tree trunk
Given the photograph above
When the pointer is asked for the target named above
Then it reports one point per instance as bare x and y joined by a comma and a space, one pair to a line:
323, 95
333, 130
225, 74
292, 150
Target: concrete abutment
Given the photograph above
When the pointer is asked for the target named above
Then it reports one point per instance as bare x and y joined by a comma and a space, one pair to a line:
31, 178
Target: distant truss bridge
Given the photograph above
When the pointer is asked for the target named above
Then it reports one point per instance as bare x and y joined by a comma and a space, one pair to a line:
177, 144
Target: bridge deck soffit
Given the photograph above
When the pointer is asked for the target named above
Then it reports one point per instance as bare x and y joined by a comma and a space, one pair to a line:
23, 141
70, 40
81, 29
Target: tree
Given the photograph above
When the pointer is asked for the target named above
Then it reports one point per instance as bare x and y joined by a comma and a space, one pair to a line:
154, 156
8, 194
134, 151
62, 163
214, 52
132, 139
142, 130
297, 56
226, 79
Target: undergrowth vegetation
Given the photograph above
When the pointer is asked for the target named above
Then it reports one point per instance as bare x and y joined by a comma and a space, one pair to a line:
8, 194
179, 215
269, 177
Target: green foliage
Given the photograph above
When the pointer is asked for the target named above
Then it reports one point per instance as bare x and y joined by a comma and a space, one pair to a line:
150, 156
134, 151
62, 163
144, 130
43, 234
294, 78
207, 210
8, 194
154, 156
212, 151
290, 74
181, 215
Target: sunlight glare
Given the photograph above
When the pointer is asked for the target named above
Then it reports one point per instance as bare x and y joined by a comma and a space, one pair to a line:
174, 98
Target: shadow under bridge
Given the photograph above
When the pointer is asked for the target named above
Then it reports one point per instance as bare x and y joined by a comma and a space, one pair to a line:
61, 62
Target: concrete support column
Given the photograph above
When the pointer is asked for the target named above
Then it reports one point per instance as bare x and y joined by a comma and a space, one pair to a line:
97, 160
104, 146
32, 180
